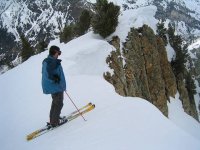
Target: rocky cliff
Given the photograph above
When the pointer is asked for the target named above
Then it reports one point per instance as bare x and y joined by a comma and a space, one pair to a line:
141, 68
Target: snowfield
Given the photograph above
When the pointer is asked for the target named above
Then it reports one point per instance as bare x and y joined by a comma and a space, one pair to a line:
117, 123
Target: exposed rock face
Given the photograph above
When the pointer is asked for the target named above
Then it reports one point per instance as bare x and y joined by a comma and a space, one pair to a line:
142, 69
167, 73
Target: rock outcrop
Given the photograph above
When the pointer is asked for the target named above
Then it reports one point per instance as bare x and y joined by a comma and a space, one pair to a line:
141, 69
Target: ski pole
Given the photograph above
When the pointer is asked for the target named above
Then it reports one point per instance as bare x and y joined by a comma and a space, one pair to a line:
75, 106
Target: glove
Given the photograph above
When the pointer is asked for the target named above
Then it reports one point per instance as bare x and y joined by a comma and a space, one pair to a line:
56, 78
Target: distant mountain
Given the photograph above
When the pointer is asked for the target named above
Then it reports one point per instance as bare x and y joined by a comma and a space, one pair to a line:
185, 14
38, 20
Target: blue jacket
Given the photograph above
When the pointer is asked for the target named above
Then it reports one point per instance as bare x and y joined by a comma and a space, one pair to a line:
51, 67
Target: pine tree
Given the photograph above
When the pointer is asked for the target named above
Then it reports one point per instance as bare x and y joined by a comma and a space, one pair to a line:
83, 23
27, 50
191, 88
67, 34
41, 46
5, 38
105, 19
171, 31
178, 64
162, 31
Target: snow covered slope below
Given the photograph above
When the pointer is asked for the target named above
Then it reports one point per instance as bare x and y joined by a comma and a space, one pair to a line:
116, 123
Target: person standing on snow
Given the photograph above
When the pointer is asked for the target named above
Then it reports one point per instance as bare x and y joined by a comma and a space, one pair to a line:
53, 82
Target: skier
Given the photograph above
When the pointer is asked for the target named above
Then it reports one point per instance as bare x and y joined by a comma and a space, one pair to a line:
53, 82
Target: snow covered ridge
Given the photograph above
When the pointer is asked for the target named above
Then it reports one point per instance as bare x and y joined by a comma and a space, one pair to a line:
117, 123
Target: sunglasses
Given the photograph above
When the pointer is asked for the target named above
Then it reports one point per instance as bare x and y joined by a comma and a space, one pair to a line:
59, 52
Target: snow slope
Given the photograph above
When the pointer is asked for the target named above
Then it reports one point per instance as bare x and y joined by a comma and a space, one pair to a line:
117, 123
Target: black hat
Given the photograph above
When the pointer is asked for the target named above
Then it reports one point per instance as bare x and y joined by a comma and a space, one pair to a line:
54, 49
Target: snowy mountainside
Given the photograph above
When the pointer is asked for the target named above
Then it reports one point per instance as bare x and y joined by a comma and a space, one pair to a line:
44, 19
4, 5
37, 20
184, 14
116, 122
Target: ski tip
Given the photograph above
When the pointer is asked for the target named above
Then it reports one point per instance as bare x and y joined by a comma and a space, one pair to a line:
29, 137
32, 135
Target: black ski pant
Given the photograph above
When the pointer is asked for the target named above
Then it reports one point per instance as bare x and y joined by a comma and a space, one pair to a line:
56, 106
